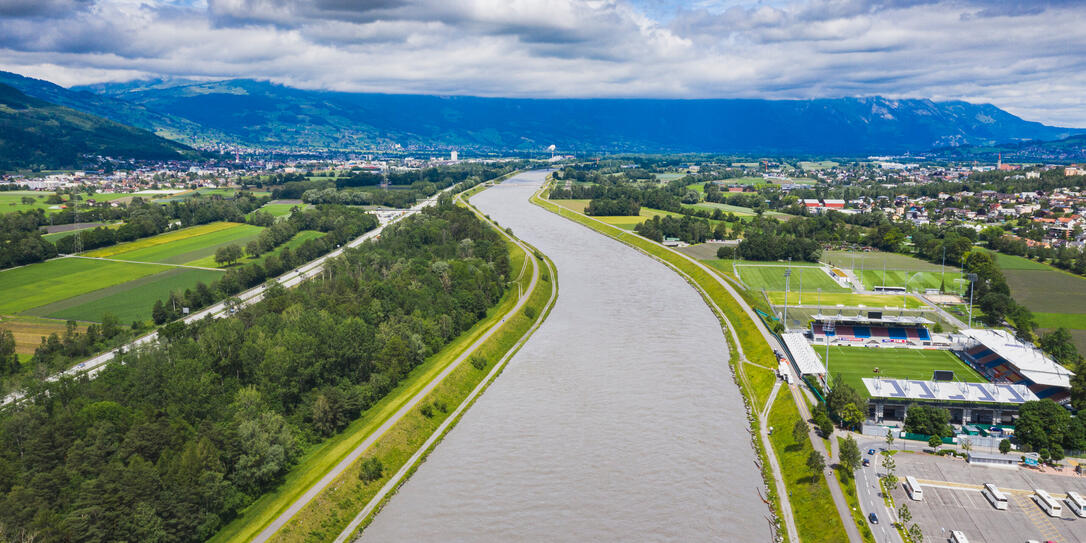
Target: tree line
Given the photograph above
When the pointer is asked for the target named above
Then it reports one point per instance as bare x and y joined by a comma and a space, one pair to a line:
171, 443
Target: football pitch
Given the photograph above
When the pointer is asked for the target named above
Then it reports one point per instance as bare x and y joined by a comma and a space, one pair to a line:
809, 278
854, 363
917, 280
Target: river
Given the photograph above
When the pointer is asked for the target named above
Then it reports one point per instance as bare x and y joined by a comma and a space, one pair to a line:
617, 421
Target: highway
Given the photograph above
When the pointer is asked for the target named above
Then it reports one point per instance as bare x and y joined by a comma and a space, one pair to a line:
91, 367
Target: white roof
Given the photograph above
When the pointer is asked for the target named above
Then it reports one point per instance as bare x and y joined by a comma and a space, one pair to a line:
805, 357
886, 319
948, 391
1027, 359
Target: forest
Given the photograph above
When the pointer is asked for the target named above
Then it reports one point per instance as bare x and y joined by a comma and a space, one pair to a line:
171, 443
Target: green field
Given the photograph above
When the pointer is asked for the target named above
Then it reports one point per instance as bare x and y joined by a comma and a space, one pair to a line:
917, 280
846, 299
280, 210
670, 176
808, 278
11, 201
876, 260
1071, 321
1049, 290
47, 282
55, 236
625, 222
298, 239
129, 301
820, 165
181, 246
1010, 262
855, 363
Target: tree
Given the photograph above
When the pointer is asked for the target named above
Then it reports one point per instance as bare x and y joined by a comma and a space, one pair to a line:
1005, 446
9, 361
824, 422
799, 431
916, 533
904, 514
934, 442
228, 254
816, 463
927, 420
890, 465
889, 439
1043, 425
158, 313
966, 444
851, 416
850, 455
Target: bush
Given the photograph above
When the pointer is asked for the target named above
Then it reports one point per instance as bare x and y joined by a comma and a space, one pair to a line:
372, 470
529, 312
478, 362
427, 411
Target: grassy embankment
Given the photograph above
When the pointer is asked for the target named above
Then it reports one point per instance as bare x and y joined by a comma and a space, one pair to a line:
848, 485
754, 382
330, 512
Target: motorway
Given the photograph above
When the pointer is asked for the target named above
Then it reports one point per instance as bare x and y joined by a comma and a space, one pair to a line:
91, 367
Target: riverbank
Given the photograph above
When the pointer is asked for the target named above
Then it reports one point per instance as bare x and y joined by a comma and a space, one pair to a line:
811, 520
394, 429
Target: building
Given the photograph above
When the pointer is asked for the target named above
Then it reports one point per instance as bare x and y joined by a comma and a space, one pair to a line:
990, 459
983, 403
1002, 358
454, 156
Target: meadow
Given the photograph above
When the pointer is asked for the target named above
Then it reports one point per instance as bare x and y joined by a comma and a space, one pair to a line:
181, 246
47, 282
852, 364
625, 222
809, 278
1048, 290
129, 301
11, 201
279, 210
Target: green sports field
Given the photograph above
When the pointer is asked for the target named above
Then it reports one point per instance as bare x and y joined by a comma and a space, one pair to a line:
47, 282
878, 261
846, 299
772, 278
854, 363
917, 280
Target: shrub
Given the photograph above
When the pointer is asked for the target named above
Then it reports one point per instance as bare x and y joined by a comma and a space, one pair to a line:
372, 469
478, 362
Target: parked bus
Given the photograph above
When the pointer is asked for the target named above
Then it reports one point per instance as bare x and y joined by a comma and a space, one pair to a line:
998, 500
958, 537
1047, 503
1077, 503
913, 488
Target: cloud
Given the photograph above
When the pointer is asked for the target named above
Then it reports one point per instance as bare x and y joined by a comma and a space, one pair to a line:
1029, 60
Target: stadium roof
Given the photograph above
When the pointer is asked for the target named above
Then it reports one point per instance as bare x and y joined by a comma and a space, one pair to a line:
806, 359
1027, 359
908, 389
886, 319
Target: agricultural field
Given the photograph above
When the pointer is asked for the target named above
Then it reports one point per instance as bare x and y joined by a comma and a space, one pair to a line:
1010, 262
670, 176
181, 246
1050, 290
820, 165
298, 239
760, 277
55, 236
917, 280
43, 283
130, 301
28, 331
855, 363
625, 222
12, 201
876, 260
280, 209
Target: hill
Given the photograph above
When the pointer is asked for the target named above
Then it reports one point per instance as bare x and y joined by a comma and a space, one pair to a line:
267, 114
36, 133
1066, 150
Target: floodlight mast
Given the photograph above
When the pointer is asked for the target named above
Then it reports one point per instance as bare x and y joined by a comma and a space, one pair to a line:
972, 288
827, 329
787, 280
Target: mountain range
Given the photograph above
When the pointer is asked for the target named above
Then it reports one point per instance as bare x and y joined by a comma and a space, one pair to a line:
35, 133
267, 115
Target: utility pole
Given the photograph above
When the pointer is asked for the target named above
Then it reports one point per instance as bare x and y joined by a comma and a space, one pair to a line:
787, 275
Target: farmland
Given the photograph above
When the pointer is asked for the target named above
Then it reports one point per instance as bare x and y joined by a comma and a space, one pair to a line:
28, 331
180, 246
625, 222
855, 363
280, 209
43, 283
1049, 290
772, 278
12, 201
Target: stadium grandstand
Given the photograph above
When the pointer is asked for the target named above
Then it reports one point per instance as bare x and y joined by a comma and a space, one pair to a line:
874, 329
1000, 357
983, 403
803, 356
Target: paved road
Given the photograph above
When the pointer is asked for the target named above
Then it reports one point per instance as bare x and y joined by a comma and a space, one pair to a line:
92, 366
869, 493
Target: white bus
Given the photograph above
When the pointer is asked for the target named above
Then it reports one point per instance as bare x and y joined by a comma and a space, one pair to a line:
998, 500
913, 488
958, 537
1046, 502
1077, 503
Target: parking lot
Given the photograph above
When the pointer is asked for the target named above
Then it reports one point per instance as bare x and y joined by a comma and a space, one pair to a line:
953, 501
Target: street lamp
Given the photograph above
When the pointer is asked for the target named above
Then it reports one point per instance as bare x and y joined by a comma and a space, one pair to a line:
972, 281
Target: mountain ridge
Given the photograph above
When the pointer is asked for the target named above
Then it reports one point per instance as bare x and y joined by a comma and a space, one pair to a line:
262, 114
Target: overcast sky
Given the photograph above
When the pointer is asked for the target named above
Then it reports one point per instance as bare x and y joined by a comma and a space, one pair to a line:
1028, 57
